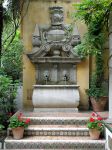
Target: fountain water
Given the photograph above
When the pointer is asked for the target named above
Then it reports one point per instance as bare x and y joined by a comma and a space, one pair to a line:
55, 61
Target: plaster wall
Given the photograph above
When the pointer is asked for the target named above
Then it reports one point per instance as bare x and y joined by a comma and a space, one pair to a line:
38, 13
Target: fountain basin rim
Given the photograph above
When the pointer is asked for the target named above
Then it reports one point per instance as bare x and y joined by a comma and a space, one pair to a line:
56, 86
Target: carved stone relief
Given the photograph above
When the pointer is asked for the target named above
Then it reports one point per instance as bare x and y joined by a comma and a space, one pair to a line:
55, 61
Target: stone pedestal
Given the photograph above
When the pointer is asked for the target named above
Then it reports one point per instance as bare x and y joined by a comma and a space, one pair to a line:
56, 96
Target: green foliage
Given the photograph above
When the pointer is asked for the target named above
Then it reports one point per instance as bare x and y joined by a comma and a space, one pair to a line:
95, 125
7, 95
95, 14
11, 61
14, 122
4, 117
1, 127
90, 45
12, 58
95, 90
8, 92
18, 121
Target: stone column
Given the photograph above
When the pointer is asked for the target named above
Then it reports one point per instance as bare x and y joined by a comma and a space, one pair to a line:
110, 66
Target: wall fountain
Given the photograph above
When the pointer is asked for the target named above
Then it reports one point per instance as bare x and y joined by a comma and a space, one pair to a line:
55, 63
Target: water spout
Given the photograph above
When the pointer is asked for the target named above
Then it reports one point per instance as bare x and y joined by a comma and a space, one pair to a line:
65, 78
46, 77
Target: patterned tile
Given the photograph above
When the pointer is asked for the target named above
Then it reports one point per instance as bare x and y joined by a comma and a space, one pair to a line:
56, 131
51, 130
56, 144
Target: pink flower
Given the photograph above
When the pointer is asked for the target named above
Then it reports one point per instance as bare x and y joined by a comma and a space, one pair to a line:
92, 119
99, 118
20, 116
93, 114
27, 121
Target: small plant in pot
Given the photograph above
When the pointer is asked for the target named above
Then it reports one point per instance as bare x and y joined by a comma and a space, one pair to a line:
17, 123
95, 125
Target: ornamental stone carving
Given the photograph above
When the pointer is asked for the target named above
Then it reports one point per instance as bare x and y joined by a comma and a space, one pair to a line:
56, 15
55, 40
55, 62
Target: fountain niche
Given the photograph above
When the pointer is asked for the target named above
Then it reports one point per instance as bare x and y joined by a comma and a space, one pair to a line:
55, 62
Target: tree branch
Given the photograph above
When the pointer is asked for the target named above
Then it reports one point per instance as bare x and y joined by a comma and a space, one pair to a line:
16, 19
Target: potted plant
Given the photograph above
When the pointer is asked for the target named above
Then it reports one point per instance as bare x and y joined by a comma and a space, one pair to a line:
95, 126
17, 123
98, 95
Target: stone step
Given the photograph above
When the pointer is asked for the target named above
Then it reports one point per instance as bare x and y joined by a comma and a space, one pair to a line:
55, 142
55, 130
58, 120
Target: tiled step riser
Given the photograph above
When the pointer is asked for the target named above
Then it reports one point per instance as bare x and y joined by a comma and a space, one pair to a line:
55, 132
55, 145
57, 122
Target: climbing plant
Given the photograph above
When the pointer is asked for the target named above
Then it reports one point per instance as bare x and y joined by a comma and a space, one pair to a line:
95, 14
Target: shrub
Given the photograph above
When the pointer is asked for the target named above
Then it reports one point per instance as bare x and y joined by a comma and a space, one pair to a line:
8, 92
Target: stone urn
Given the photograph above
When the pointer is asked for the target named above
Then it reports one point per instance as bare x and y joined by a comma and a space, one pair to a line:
18, 133
94, 134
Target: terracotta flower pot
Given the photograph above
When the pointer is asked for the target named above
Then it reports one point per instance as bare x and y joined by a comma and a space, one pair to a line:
94, 134
99, 105
18, 133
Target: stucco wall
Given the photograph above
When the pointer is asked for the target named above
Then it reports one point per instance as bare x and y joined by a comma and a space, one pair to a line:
38, 14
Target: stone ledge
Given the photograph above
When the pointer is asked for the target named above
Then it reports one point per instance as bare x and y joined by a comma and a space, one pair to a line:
56, 86
56, 60
66, 1
55, 142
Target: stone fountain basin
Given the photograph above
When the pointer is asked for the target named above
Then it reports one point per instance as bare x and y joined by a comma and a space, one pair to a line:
55, 96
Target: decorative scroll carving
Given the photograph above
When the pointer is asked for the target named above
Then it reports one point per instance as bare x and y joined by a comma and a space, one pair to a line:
67, 47
55, 40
